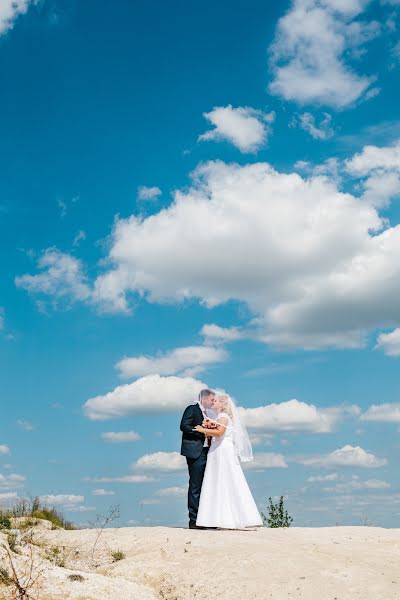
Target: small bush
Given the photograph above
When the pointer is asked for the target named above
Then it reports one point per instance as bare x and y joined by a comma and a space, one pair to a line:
5, 578
54, 516
277, 516
56, 556
12, 540
118, 555
76, 577
5, 522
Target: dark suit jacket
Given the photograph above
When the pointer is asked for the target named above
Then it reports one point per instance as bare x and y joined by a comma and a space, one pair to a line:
192, 441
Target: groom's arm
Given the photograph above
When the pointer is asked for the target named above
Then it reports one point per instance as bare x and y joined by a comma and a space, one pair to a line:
187, 424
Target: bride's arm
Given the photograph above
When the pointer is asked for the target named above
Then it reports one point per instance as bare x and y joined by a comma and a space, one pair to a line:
218, 432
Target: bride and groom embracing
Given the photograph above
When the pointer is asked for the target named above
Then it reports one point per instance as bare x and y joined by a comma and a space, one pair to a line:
218, 496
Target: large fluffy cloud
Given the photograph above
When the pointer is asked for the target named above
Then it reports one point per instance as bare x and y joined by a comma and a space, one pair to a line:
293, 416
244, 127
317, 267
145, 396
309, 57
189, 360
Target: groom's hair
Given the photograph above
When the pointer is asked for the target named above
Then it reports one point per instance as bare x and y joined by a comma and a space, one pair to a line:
205, 393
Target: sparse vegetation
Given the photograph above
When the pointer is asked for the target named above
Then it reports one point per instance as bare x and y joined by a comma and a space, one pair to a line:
56, 555
76, 577
118, 555
12, 539
33, 509
277, 516
5, 578
5, 522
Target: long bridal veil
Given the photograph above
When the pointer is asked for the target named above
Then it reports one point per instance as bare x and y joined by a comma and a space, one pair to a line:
241, 437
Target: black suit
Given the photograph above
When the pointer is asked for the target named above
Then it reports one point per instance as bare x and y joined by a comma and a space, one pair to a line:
196, 456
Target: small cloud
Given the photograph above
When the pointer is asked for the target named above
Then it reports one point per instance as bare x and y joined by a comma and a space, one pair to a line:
149, 501
25, 425
4, 449
160, 461
246, 128
101, 492
121, 479
63, 208
80, 509
62, 499
348, 456
323, 131
214, 333
80, 236
322, 478
384, 413
175, 491
148, 193
389, 343
120, 437
188, 360
266, 460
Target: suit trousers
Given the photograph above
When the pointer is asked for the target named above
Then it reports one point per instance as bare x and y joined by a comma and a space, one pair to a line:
196, 467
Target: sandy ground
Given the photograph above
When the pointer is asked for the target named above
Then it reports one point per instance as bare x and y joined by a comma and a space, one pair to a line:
338, 563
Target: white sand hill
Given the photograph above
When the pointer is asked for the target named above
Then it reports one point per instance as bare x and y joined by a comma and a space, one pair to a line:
337, 563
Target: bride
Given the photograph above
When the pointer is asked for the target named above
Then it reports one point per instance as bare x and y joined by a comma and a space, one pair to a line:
226, 500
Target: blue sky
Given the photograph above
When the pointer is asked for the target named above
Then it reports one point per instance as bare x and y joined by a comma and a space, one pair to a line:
200, 194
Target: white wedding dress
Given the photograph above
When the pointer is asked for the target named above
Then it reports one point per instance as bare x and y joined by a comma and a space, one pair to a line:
226, 500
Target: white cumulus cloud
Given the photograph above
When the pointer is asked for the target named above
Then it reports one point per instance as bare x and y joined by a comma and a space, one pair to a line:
214, 333
315, 266
266, 460
61, 278
310, 54
148, 193
379, 169
389, 343
160, 461
10, 10
4, 449
145, 396
348, 456
293, 415
11, 481
246, 128
174, 491
102, 492
62, 499
384, 413
121, 479
186, 361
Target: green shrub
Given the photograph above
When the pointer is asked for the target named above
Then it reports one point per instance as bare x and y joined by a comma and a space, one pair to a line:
5, 522
277, 516
118, 555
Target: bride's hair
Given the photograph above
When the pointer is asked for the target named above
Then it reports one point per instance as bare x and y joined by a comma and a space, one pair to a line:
226, 407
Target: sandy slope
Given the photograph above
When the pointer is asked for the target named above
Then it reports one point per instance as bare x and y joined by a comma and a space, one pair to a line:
338, 563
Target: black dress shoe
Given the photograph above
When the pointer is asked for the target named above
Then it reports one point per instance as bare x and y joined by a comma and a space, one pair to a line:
194, 526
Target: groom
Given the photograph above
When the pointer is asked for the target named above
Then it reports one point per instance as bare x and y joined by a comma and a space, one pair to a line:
195, 448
